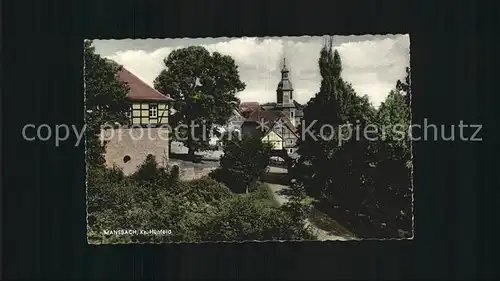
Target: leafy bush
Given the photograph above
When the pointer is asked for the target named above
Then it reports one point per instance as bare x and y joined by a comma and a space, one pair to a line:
149, 171
205, 190
197, 210
114, 206
239, 218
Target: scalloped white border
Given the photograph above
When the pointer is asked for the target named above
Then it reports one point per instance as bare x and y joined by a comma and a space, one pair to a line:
261, 241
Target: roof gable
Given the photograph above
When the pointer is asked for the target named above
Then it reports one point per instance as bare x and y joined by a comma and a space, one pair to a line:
138, 90
273, 135
285, 124
298, 105
269, 118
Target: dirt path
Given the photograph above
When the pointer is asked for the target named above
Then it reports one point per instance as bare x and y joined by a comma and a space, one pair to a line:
276, 189
321, 234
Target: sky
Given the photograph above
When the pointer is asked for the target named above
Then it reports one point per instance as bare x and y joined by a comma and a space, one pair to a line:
371, 63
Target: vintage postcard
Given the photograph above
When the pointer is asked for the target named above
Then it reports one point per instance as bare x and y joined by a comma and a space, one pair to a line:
248, 139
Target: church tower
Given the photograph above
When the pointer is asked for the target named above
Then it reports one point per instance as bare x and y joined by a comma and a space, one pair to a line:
284, 94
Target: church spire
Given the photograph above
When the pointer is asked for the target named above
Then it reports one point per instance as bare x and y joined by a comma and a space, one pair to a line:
285, 89
284, 70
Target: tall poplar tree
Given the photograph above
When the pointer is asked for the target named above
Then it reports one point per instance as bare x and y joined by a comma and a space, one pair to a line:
322, 116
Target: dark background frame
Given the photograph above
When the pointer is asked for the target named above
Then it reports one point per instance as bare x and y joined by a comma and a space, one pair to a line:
43, 188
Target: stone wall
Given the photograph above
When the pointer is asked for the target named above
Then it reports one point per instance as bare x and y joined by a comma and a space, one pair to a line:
125, 142
192, 173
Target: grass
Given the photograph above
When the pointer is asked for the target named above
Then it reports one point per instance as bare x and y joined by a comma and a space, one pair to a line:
323, 221
308, 200
264, 196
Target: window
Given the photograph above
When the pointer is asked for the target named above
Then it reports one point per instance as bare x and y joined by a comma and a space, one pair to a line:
286, 98
291, 114
153, 110
126, 159
290, 150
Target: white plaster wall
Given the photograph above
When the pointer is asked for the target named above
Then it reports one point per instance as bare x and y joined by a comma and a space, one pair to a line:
123, 142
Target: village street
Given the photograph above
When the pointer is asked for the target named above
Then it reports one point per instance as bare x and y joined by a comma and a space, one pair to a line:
281, 198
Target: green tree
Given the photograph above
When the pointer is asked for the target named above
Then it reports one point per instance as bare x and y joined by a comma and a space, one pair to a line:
357, 109
392, 173
104, 101
244, 161
318, 142
203, 87
405, 86
370, 179
393, 119
403, 111
295, 205
353, 178
330, 68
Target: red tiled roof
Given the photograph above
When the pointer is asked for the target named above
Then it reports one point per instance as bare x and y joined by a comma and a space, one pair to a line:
270, 118
139, 90
262, 115
250, 104
248, 108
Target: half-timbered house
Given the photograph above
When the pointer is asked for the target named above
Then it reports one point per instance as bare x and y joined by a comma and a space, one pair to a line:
147, 133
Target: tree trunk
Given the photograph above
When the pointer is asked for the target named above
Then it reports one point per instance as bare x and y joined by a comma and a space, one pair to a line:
190, 148
190, 152
169, 145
